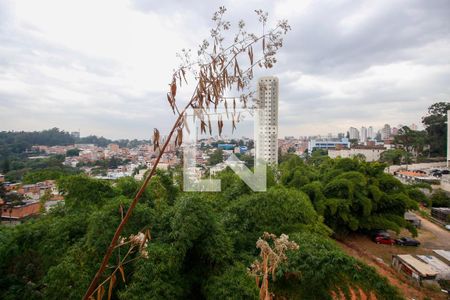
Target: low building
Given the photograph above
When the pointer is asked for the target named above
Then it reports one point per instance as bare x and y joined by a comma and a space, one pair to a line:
438, 265
28, 189
226, 146
417, 270
415, 176
445, 254
16, 214
326, 145
370, 153
163, 166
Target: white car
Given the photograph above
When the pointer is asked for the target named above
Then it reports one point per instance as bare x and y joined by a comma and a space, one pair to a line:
447, 226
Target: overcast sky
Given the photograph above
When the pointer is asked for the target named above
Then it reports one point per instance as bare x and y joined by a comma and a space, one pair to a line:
103, 66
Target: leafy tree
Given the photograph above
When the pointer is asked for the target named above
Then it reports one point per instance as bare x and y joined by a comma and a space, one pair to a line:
159, 277
215, 157
52, 173
232, 187
413, 141
29, 250
73, 152
351, 194
393, 156
318, 156
417, 195
232, 283
291, 150
34, 170
436, 127
248, 159
80, 191
440, 198
279, 210
5, 165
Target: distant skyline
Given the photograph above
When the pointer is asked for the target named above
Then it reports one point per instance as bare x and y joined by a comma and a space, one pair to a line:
103, 67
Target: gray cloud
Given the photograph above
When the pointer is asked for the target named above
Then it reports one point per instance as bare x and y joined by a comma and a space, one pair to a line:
344, 64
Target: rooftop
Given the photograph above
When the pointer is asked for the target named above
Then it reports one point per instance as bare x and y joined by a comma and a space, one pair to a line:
422, 268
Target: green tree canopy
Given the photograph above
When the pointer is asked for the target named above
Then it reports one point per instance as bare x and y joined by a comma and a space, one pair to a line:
435, 124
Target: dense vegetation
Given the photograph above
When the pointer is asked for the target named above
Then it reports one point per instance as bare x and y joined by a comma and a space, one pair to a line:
15, 146
203, 243
103, 142
17, 142
440, 198
353, 195
421, 145
39, 169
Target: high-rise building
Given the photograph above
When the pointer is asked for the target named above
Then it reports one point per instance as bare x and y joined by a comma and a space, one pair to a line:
363, 134
413, 126
386, 132
370, 133
266, 130
353, 133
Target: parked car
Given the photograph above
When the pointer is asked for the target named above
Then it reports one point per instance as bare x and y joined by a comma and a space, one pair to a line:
439, 173
384, 240
447, 226
406, 241
379, 233
436, 173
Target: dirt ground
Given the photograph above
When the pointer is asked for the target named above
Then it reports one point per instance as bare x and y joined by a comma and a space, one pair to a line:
379, 256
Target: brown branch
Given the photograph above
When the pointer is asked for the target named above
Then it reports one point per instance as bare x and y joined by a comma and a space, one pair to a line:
93, 285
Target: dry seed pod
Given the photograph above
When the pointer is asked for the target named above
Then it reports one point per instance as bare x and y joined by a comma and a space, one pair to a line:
171, 102
209, 125
173, 88
155, 139
179, 136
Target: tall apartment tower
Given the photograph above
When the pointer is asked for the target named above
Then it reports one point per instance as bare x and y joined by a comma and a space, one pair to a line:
353, 133
370, 133
266, 129
386, 132
363, 135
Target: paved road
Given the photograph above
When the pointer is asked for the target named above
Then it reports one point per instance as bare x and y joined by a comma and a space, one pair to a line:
434, 236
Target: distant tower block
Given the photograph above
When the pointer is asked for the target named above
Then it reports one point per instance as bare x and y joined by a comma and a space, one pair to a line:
266, 129
448, 136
